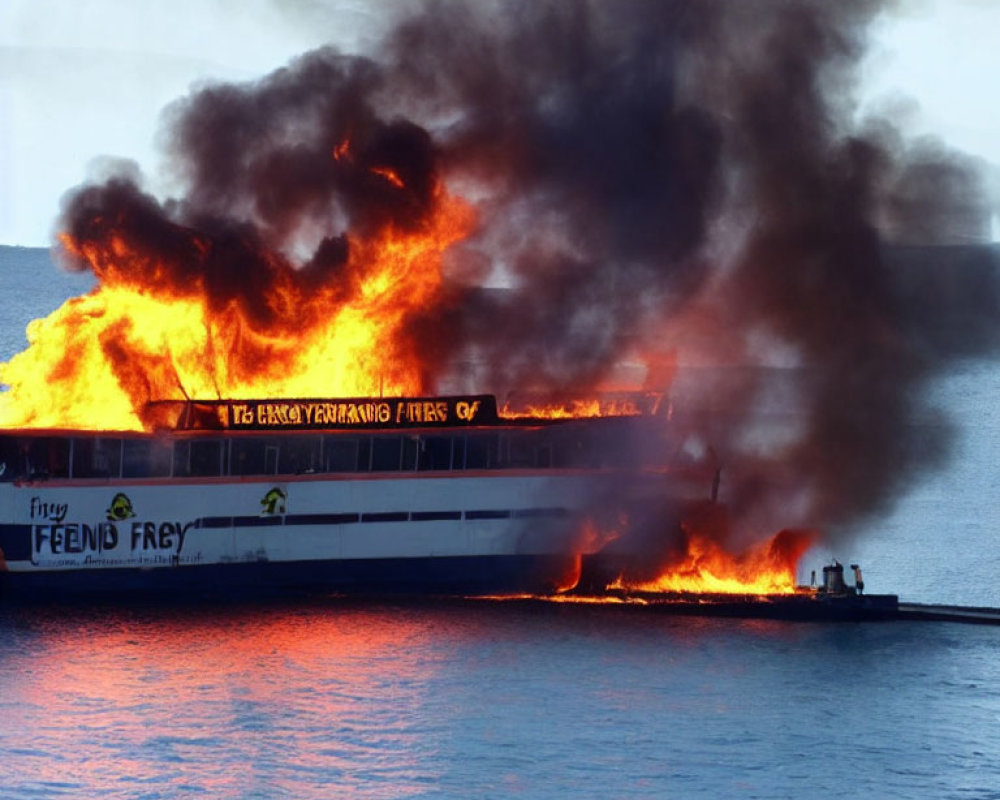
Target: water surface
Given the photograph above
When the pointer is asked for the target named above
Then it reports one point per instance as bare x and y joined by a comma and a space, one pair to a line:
330, 698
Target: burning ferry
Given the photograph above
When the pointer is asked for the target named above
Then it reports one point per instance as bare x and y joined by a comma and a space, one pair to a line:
320, 250
439, 495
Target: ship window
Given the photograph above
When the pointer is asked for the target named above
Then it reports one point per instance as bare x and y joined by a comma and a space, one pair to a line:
340, 454
520, 452
48, 458
248, 456
199, 458
410, 447
182, 455
573, 453
142, 458
206, 457
34, 458
270, 459
481, 451
97, 458
386, 453
458, 452
364, 454
10, 459
298, 455
435, 453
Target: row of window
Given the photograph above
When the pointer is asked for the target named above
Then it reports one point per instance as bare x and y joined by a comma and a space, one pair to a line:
348, 518
108, 457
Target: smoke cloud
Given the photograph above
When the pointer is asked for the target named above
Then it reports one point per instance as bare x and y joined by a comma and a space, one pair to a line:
670, 178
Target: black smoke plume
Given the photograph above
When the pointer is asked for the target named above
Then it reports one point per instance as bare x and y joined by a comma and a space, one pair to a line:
647, 174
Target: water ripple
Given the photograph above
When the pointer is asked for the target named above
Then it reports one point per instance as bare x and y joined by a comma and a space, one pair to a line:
329, 699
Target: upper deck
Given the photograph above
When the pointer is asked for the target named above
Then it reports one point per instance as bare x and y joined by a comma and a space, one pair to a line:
257, 438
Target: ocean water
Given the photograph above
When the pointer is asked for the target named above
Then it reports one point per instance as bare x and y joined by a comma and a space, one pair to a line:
328, 698
372, 700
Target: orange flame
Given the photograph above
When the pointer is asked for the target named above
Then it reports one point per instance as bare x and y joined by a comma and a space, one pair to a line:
705, 567
140, 335
581, 408
342, 150
390, 175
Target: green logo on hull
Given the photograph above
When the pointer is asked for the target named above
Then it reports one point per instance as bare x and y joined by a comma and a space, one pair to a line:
121, 508
274, 501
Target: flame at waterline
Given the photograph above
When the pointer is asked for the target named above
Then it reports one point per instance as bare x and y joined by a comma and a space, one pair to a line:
705, 567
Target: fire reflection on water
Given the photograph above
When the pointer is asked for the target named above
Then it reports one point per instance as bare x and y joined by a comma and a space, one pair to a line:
332, 699
278, 701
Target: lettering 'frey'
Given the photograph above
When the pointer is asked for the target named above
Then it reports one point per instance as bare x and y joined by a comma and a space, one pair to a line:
159, 536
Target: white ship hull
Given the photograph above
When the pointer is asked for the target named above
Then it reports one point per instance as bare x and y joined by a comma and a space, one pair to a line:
382, 534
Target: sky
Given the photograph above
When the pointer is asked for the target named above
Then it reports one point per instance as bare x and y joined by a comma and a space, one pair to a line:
82, 80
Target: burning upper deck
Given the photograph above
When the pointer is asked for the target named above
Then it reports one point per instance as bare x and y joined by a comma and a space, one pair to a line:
193, 315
